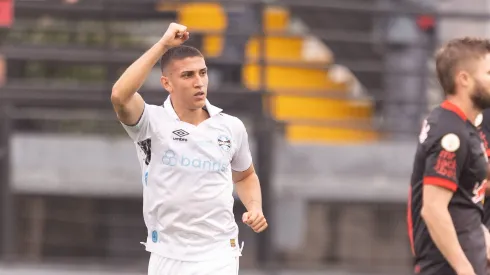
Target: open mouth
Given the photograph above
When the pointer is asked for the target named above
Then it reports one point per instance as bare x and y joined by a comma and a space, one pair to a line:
199, 94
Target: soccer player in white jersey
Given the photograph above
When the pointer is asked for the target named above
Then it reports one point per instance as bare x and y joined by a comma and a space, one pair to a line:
191, 154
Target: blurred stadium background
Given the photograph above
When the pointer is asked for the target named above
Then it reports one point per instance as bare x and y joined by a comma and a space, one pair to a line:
332, 93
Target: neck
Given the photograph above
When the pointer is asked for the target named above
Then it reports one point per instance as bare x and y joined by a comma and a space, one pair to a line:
466, 105
191, 116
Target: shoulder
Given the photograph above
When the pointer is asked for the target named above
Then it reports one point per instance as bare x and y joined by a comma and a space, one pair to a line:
235, 126
232, 121
444, 121
156, 111
153, 107
445, 127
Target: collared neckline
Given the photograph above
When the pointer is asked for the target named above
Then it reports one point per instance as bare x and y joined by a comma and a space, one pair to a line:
453, 108
211, 109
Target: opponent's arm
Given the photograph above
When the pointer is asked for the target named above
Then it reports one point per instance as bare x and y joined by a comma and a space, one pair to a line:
441, 228
248, 189
129, 104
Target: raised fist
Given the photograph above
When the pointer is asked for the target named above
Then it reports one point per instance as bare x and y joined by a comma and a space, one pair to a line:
175, 35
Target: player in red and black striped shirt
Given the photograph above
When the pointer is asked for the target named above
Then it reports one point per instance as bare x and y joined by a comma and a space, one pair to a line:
445, 207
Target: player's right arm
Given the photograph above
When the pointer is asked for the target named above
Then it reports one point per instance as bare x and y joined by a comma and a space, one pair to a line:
128, 104
441, 227
445, 158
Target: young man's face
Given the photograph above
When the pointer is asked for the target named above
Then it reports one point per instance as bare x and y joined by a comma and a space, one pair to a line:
187, 82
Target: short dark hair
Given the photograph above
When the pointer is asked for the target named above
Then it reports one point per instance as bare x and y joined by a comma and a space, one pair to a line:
456, 53
178, 53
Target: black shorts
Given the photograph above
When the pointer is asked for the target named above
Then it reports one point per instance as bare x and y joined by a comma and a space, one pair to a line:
442, 268
434, 269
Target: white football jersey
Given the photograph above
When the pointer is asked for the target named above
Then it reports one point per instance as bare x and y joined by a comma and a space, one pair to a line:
188, 188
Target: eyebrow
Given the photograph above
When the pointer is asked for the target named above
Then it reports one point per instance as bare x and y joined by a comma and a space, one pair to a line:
186, 72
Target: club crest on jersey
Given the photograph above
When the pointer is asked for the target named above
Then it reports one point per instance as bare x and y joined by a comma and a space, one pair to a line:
224, 143
179, 135
450, 142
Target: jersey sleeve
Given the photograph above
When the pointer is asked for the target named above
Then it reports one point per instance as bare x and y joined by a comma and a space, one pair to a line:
141, 130
446, 155
242, 158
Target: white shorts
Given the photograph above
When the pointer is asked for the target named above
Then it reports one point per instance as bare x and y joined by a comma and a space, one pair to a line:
159, 265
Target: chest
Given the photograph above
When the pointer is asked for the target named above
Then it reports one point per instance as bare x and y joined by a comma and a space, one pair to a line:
208, 147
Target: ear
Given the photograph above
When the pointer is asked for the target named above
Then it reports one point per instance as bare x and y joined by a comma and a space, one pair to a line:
464, 79
166, 83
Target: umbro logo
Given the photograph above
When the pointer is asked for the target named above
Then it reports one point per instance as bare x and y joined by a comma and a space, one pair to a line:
180, 134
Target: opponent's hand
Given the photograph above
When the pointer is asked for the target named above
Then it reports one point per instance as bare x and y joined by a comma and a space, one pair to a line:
175, 35
255, 220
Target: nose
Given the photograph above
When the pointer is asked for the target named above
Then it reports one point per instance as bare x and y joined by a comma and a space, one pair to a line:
199, 83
